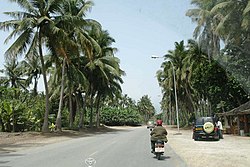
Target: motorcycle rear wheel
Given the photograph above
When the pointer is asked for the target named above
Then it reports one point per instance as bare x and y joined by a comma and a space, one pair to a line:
158, 156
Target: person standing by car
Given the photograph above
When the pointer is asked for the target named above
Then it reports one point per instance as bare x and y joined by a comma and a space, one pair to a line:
220, 128
158, 133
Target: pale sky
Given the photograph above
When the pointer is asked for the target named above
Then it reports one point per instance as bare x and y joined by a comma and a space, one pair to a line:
141, 28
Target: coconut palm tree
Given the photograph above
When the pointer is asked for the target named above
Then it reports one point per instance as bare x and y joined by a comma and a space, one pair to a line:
110, 86
32, 69
176, 59
206, 21
13, 75
232, 16
104, 76
34, 26
196, 58
146, 108
233, 28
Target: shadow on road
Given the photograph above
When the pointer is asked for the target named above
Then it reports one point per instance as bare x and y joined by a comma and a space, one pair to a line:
163, 157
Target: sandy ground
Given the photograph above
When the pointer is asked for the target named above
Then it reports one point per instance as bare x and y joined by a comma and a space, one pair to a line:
232, 151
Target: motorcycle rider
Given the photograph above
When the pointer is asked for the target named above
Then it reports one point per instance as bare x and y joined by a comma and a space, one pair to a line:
158, 133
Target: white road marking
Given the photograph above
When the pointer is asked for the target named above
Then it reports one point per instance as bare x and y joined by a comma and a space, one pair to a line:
93, 153
97, 151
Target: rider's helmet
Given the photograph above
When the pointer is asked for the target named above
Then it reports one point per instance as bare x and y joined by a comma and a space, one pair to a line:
159, 122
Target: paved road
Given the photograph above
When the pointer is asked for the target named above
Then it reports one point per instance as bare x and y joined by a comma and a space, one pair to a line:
126, 148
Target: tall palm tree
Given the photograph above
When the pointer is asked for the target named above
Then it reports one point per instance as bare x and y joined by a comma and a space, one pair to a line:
206, 21
102, 70
196, 58
182, 72
232, 16
76, 25
233, 27
104, 76
34, 26
110, 86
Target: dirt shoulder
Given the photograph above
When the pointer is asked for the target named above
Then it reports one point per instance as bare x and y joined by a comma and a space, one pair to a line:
11, 142
232, 151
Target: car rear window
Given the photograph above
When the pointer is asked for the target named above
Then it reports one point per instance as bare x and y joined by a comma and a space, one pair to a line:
208, 119
202, 120
199, 121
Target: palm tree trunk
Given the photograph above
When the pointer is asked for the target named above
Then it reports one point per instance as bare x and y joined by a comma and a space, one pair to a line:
45, 127
71, 120
2, 125
59, 114
35, 87
71, 115
98, 112
91, 111
83, 106
77, 105
81, 123
13, 120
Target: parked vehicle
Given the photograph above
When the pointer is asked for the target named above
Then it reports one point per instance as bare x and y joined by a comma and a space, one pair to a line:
204, 128
159, 149
151, 125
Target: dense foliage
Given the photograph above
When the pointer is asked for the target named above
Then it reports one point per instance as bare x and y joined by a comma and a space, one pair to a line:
19, 111
209, 78
115, 116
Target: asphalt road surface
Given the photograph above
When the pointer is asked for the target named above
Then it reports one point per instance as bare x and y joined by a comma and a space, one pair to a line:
125, 148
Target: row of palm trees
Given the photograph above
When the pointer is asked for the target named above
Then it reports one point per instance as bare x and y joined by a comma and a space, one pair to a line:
210, 78
57, 40
184, 62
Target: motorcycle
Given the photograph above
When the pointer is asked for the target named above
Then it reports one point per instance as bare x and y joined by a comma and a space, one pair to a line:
159, 149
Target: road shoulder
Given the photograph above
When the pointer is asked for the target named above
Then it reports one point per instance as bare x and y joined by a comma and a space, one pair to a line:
232, 151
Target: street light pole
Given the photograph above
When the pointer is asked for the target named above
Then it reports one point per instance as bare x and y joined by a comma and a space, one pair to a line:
175, 93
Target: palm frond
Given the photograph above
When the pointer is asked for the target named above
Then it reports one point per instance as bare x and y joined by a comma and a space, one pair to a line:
247, 9
32, 51
7, 25
20, 45
24, 4
53, 6
86, 6
19, 15
221, 26
220, 6
18, 28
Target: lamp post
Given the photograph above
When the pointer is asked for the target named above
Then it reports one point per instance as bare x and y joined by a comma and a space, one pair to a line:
175, 92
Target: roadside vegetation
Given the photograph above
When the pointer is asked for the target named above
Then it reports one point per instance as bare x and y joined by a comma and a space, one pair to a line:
213, 69
55, 41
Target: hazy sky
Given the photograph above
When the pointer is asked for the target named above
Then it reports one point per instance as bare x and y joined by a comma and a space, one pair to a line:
141, 28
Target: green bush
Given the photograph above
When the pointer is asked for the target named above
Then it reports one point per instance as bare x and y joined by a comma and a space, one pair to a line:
20, 111
120, 117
